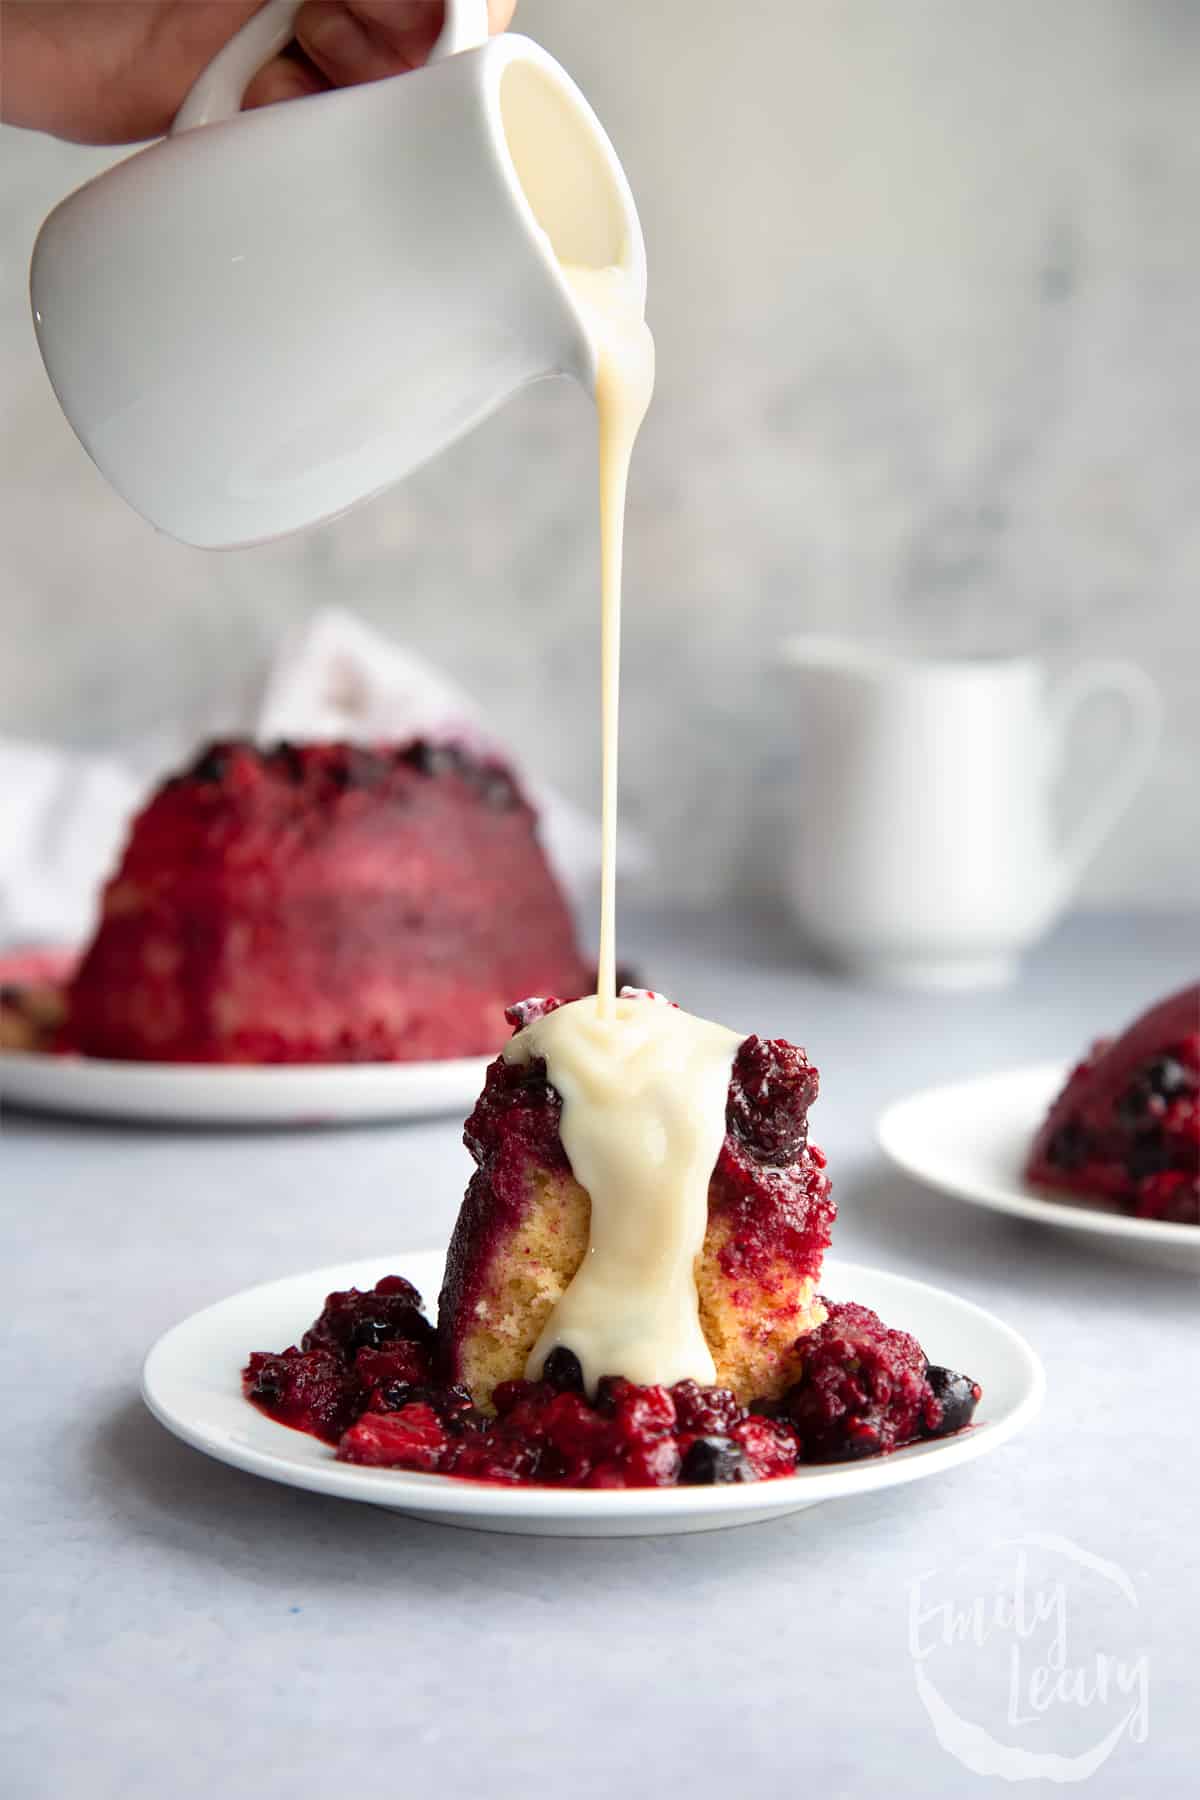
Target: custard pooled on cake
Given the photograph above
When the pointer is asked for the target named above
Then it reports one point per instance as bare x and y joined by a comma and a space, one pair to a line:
324, 903
646, 1203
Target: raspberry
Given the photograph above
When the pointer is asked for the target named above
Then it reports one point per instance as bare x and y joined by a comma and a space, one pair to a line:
707, 1411
507, 1395
394, 1362
575, 1430
493, 1457
642, 1412
1173, 1195
769, 1448
412, 1439
651, 1463
310, 1390
864, 1389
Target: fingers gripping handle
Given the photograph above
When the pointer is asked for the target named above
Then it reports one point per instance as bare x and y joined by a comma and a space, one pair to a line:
1139, 699
217, 93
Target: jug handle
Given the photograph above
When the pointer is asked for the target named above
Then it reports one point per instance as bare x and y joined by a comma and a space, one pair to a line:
1143, 727
217, 92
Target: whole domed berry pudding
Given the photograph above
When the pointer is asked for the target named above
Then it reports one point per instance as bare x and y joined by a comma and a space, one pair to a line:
323, 903
630, 1296
1126, 1127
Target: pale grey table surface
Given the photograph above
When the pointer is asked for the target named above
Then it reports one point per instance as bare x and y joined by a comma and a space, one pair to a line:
175, 1628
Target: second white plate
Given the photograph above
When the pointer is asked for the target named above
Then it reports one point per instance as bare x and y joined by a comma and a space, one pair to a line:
970, 1140
224, 1094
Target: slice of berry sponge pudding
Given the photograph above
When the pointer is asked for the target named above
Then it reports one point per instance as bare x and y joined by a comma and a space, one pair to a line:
524, 1229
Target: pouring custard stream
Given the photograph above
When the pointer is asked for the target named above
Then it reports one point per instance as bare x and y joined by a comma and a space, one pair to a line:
643, 1085
611, 309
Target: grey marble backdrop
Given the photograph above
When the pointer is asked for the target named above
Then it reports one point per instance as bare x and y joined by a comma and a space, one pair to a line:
925, 279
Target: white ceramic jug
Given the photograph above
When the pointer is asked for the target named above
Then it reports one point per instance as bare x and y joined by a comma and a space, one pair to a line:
926, 852
269, 316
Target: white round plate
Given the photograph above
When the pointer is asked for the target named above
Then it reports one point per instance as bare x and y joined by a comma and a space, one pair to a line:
212, 1094
191, 1382
970, 1140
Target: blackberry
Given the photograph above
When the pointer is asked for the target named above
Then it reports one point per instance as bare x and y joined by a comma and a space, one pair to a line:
449, 1403
1150, 1155
1068, 1148
1167, 1078
290, 760
496, 790
1162, 1080
212, 763
354, 1320
436, 759
356, 768
771, 1089
956, 1395
858, 1439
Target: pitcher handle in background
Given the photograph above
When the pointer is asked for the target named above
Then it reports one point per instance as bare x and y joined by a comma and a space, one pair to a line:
1143, 728
217, 92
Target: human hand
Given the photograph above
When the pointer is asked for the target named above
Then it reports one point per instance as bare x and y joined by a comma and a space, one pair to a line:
113, 71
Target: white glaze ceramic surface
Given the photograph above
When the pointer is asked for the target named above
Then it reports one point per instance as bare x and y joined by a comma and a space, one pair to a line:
971, 1141
89, 1087
191, 1382
926, 851
262, 320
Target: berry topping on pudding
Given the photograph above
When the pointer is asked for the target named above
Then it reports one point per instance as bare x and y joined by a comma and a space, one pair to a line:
324, 903
362, 1343
351, 1321
865, 1389
667, 1160
311, 1390
1126, 1127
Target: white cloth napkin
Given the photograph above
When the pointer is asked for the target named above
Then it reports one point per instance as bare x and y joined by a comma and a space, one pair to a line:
64, 814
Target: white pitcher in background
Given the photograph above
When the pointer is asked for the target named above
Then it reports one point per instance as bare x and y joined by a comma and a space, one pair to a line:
926, 852
269, 316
